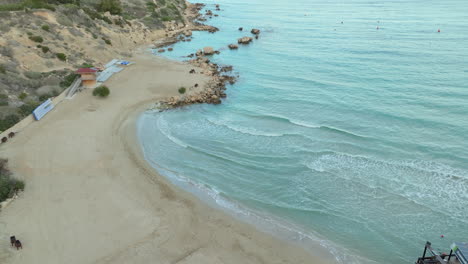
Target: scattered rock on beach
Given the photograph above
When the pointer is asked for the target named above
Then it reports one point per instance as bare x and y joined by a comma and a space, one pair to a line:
233, 46
208, 51
244, 40
255, 31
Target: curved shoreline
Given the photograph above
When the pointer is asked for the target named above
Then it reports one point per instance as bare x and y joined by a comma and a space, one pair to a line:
92, 198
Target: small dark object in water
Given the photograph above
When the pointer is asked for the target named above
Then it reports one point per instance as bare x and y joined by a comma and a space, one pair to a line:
11, 134
256, 37
240, 29
18, 245
12, 240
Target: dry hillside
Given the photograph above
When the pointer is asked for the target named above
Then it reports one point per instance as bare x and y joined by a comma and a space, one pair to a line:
42, 41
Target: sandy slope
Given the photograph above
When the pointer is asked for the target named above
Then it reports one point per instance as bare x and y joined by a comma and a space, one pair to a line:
91, 198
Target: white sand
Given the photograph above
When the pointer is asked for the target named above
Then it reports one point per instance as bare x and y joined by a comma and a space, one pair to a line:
91, 198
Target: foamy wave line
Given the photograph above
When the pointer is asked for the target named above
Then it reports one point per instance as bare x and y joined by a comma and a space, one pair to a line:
244, 130
276, 226
306, 125
164, 129
392, 177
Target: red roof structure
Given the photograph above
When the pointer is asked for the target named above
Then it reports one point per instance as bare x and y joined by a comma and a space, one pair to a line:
86, 70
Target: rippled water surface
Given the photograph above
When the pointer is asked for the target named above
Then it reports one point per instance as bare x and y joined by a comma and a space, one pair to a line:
355, 134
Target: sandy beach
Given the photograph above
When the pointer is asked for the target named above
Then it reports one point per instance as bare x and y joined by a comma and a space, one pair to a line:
91, 197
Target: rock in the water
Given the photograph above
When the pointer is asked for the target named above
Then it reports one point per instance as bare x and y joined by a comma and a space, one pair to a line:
161, 50
199, 53
208, 51
255, 31
170, 49
244, 40
240, 29
187, 33
233, 46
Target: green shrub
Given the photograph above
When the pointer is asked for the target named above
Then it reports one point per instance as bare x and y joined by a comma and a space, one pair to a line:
68, 80
27, 109
8, 185
101, 91
113, 6
182, 90
29, 33
8, 121
45, 49
45, 27
150, 6
107, 20
23, 96
2, 69
107, 41
87, 65
61, 56
36, 39
166, 18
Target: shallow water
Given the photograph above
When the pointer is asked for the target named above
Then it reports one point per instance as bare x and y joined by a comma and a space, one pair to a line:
355, 134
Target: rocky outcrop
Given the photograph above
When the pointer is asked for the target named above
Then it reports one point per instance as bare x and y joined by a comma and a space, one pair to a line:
214, 91
255, 31
233, 46
244, 40
208, 51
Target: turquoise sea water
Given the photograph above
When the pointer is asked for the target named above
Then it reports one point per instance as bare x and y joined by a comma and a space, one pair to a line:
340, 132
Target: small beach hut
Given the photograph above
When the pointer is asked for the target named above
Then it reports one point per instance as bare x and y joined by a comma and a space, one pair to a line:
88, 76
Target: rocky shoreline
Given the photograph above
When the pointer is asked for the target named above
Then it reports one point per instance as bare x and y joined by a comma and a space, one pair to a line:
220, 75
214, 91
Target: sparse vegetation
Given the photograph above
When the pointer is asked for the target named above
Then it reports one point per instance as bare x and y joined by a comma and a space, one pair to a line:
182, 90
107, 41
23, 96
36, 39
101, 91
45, 27
27, 108
45, 49
61, 56
8, 121
8, 185
112, 6
68, 80
2, 69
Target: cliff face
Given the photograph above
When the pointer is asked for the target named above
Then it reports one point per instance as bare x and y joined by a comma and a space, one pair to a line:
41, 41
